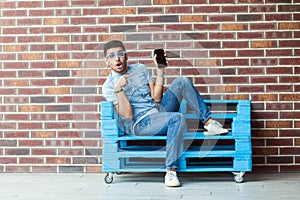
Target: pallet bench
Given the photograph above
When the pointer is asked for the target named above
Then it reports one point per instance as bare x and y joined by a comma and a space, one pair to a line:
123, 152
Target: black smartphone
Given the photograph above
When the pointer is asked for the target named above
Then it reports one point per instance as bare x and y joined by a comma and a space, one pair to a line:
160, 58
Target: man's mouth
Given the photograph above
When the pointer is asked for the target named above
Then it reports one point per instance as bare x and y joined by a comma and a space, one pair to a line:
119, 65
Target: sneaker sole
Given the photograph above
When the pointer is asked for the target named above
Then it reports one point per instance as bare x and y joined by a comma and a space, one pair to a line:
206, 134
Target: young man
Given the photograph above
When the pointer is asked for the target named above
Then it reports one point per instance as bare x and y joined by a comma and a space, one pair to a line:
139, 100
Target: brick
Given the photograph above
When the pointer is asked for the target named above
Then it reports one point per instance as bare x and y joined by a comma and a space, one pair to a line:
30, 91
263, 44
58, 160
265, 151
250, 53
279, 88
234, 27
165, 2
250, 17
262, 8
206, 9
8, 160
289, 79
279, 124
17, 169
279, 106
43, 151
264, 97
95, 11
288, 25
288, 8
139, 19
221, 35
58, 73
250, 71
57, 108
290, 151
14, 48
251, 89
17, 151
289, 61
235, 62
71, 169
169, 18
44, 169
85, 73
47, 82
83, 20
221, 18
35, 13
93, 169
30, 125
279, 17
43, 134
289, 115
31, 56
42, 99
57, 125
83, 3
280, 160
293, 43
15, 83
29, 4
7, 4
281, 34
24, 160
235, 80
56, 91
24, 22
69, 64
223, 89
123, 11
55, 21
56, 3
30, 108
31, 143
56, 39
191, 18
179, 9
16, 117
277, 53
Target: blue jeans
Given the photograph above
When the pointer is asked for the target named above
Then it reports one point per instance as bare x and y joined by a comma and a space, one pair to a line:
169, 121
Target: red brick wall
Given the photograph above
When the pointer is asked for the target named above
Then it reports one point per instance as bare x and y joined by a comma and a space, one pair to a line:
52, 71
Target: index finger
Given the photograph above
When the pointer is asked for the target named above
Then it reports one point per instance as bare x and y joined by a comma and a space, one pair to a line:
127, 75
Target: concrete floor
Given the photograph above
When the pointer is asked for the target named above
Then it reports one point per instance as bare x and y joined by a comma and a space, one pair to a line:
137, 186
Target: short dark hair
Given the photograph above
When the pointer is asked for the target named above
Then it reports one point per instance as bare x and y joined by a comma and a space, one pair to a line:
113, 44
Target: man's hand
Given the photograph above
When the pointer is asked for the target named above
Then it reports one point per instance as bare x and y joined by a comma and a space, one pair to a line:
122, 82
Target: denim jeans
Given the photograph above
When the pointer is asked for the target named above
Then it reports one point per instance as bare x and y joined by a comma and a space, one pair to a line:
169, 121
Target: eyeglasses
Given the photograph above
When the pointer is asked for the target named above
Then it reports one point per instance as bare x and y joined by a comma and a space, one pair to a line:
114, 55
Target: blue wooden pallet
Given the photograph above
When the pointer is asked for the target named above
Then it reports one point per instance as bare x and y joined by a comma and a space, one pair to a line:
231, 153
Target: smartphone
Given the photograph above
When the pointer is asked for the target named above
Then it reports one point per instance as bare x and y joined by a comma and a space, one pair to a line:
160, 58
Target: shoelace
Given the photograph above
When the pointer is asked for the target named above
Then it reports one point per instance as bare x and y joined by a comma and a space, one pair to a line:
217, 123
171, 175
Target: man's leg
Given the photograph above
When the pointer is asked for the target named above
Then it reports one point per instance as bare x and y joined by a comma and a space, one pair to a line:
183, 88
173, 124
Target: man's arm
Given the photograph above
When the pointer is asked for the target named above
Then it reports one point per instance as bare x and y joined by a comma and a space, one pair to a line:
158, 86
124, 107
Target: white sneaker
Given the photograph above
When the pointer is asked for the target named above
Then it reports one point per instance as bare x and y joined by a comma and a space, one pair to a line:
214, 128
171, 179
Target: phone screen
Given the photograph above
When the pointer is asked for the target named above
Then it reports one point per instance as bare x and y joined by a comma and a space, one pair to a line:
160, 58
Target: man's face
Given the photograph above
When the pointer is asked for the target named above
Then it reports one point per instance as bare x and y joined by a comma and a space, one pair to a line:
116, 59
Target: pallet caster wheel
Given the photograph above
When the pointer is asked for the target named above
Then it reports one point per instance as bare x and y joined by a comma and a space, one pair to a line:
238, 177
109, 178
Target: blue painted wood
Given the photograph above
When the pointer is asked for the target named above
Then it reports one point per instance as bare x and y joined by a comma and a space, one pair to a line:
129, 153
